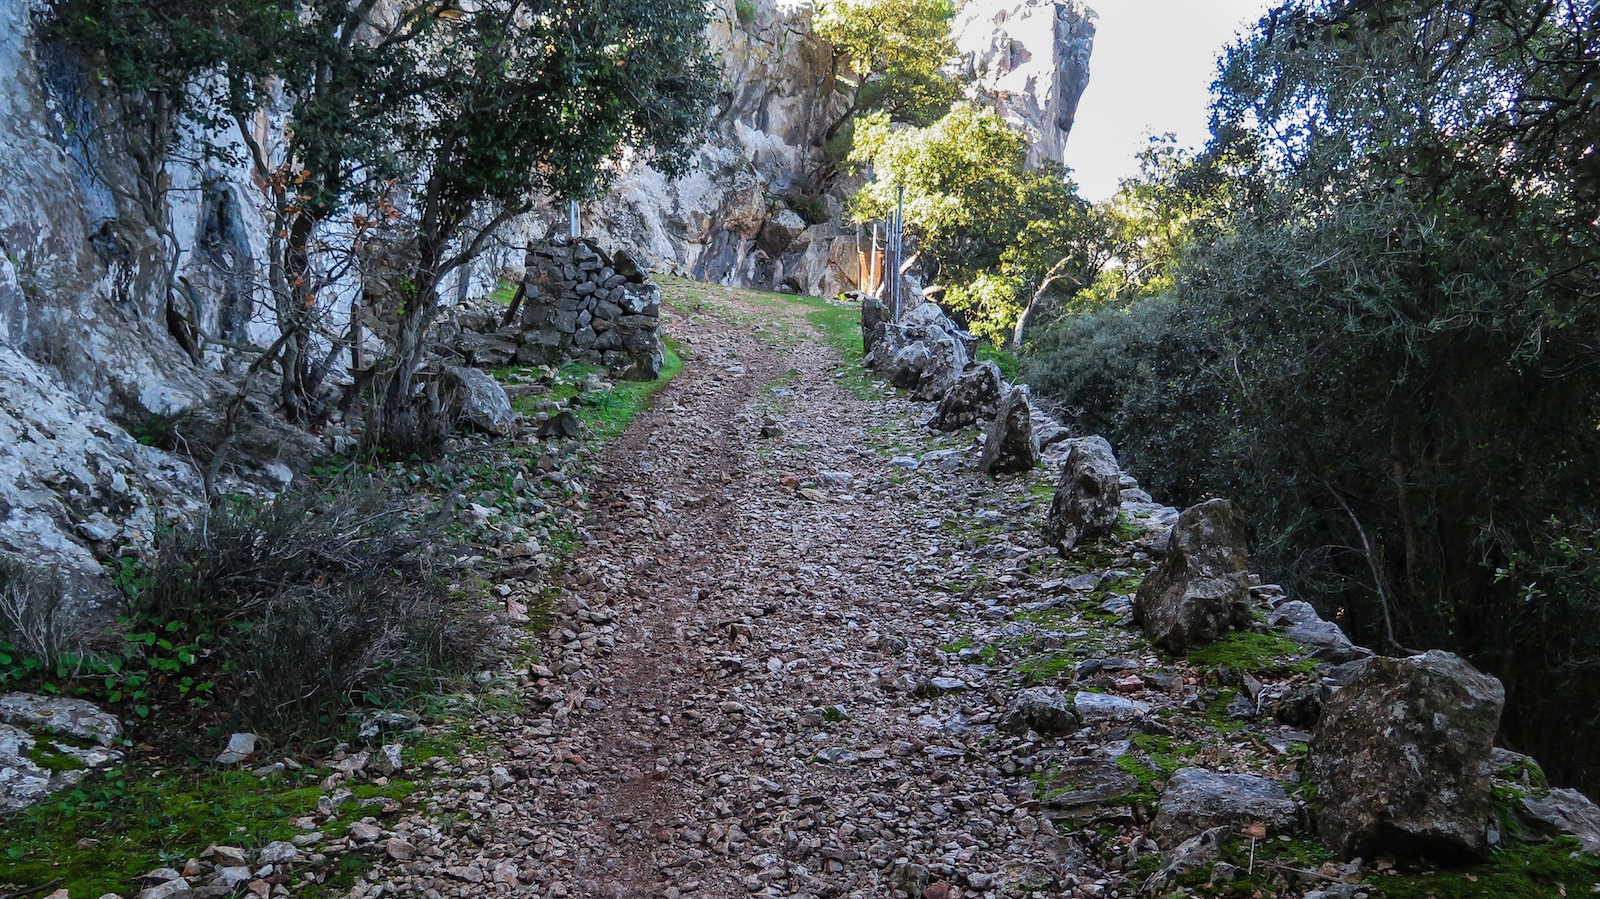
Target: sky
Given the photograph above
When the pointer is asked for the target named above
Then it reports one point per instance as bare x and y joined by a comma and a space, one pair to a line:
1150, 73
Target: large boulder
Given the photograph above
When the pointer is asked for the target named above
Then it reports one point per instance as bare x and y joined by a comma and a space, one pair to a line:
1321, 639
475, 396
947, 357
1087, 498
971, 399
1400, 758
924, 352
1010, 447
1197, 800
1201, 588
909, 362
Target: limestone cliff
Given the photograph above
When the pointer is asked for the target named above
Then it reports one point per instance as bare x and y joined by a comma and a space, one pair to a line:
84, 342
736, 219
1030, 58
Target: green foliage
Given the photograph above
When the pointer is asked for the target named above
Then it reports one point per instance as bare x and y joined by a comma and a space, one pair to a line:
991, 303
1377, 340
1010, 368
744, 11
887, 55
999, 235
275, 617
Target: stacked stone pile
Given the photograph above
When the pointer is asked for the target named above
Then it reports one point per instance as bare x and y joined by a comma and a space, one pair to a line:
579, 304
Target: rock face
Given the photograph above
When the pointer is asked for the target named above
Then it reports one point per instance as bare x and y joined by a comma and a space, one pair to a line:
1010, 446
1197, 800
1031, 61
1088, 496
971, 399
1201, 589
1399, 758
477, 397
747, 215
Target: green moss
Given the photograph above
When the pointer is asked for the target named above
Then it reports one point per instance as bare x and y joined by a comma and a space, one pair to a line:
143, 818
503, 293
1520, 871
1254, 653
52, 759
605, 414
1046, 666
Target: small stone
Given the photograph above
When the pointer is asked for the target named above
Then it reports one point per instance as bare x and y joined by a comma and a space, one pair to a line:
386, 761
225, 856
240, 747
277, 853
165, 889
400, 850
1095, 708
362, 832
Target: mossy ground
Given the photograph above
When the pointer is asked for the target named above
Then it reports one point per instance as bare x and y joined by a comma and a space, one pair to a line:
1253, 653
145, 814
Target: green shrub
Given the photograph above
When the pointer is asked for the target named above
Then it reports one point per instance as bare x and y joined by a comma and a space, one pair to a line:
309, 604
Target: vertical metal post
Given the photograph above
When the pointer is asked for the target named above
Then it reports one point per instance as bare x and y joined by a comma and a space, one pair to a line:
899, 244
573, 228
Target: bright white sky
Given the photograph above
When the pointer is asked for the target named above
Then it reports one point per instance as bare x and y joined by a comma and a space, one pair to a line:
1150, 73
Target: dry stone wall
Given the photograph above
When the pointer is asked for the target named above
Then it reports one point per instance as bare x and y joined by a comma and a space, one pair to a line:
584, 305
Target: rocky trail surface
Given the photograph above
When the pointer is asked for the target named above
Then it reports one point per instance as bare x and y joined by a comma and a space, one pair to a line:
793, 658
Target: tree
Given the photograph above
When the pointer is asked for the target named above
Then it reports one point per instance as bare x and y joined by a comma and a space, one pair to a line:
996, 233
423, 125
886, 57
529, 101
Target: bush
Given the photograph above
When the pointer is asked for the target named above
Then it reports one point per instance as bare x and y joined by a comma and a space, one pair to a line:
307, 605
37, 631
275, 616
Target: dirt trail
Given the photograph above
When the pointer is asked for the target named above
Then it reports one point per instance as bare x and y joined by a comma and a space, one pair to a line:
745, 692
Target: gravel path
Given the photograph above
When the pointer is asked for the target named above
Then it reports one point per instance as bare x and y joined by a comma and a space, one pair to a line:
779, 663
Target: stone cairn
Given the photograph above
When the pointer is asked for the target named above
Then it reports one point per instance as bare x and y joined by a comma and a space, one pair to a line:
578, 304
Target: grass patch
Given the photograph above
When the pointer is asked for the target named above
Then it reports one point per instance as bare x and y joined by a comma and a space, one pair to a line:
1253, 653
1046, 666
1520, 871
1009, 366
612, 410
503, 293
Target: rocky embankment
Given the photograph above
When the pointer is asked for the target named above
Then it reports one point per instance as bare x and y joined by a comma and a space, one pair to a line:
809, 646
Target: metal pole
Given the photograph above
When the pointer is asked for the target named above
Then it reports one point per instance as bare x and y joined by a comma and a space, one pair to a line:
572, 220
899, 244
